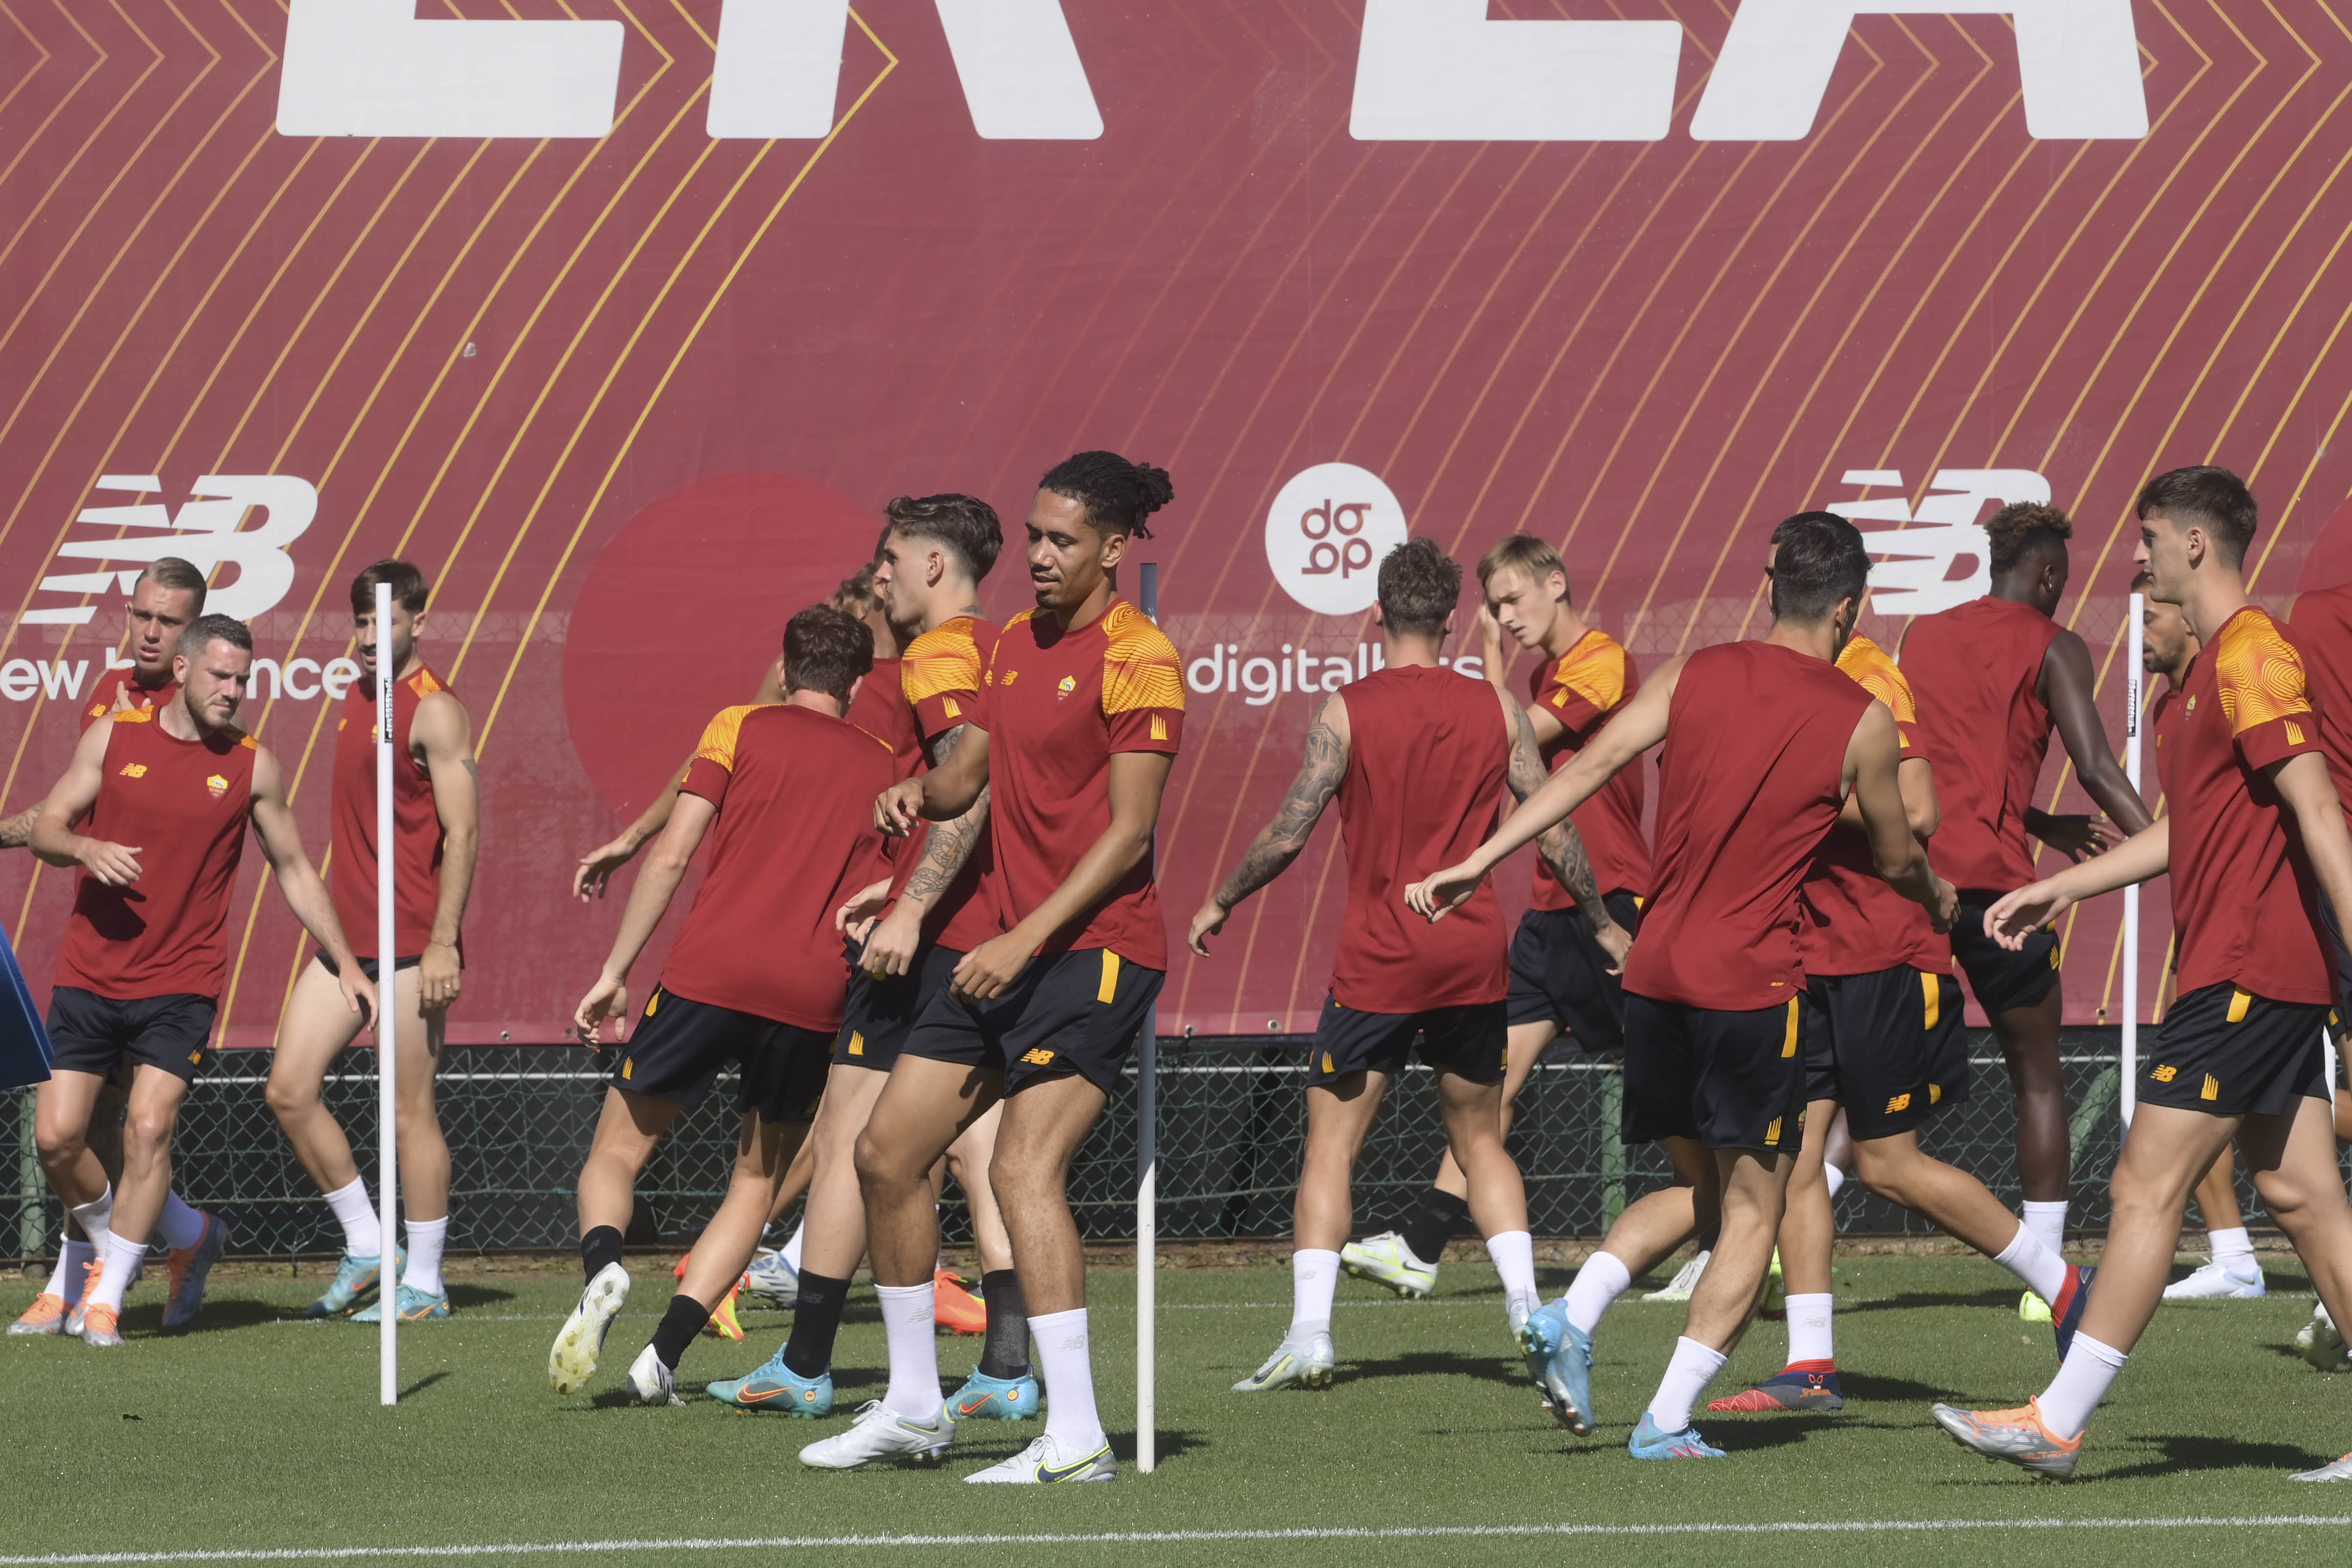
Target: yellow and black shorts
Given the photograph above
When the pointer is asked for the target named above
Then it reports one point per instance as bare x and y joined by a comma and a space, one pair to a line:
2229, 1052
1888, 1046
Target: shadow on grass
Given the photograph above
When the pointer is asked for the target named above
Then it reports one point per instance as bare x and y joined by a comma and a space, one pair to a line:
421, 1385
2001, 1298
1892, 1390
2175, 1453
471, 1295
1439, 1364
1174, 1442
215, 1315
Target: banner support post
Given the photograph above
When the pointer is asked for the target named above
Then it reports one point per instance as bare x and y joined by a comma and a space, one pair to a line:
2127, 1059
1147, 1187
387, 1291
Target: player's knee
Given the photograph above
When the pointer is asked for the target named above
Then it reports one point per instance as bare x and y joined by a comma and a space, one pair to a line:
880, 1167
58, 1142
145, 1133
286, 1097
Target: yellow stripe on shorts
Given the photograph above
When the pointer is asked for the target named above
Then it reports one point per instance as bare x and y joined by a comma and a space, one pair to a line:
1934, 996
1109, 987
2238, 1002
1788, 1045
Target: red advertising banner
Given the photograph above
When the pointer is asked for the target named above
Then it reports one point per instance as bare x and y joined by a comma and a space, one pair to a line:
623, 317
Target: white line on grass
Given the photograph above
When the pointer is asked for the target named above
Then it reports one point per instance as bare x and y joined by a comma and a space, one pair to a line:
1160, 1536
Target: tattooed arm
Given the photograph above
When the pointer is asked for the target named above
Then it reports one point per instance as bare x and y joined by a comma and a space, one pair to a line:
890, 950
1561, 846
1279, 841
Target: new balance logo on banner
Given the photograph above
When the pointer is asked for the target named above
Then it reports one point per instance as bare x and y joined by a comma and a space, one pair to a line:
205, 532
1944, 532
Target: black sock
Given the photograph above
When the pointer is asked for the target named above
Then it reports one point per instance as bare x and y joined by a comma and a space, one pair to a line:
816, 1318
598, 1247
678, 1326
1426, 1233
1005, 1352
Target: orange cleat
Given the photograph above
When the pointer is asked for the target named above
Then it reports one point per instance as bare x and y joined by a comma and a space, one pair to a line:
680, 1271
101, 1327
2017, 1437
46, 1315
722, 1324
955, 1309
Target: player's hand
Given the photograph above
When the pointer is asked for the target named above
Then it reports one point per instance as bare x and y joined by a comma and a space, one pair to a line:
1210, 920
1615, 941
2076, 837
607, 998
890, 949
1947, 907
898, 809
116, 865
2019, 915
358, 991
1439, 895
989, 970
122, 703
438, 976
594, 871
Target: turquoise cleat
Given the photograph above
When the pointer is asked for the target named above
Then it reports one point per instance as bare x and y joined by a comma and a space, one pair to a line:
355, 1278
777, 1388
986, 1398
1560, 1359
415, 1307
1649, 1443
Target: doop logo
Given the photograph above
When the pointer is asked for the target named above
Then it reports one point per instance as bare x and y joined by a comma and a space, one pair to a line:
1327, 533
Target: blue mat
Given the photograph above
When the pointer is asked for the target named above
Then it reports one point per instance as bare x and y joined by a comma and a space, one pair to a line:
24, 1053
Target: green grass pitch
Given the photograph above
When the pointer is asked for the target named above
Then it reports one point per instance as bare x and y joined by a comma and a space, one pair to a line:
259, 1432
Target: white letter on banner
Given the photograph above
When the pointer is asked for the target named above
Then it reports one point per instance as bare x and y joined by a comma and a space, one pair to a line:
779, 69
1438, 70
370, 68
2079, 62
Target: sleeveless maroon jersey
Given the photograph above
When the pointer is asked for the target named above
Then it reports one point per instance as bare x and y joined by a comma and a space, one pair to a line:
1749, 786
101, 695
182, 805
2321, 628
416, 822
1974, 669
1427, 759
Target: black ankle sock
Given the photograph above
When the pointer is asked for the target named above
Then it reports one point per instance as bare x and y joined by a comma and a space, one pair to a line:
1440, 1216
678, 1326
1005, 1352
598, 1247
816, 1318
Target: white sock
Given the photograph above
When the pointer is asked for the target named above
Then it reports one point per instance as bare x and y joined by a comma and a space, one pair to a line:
2048, 1221
2234, 1252
1810, 1338
2081, 1382
1694, 1366
123, 1261
2039, 1267
1067, 1368
793, 1248
180, 1226
1835, 1178
427, 1237
1513, 1253
1314, 1276
1595, 1290
73, 1267
362, 1230
95, 1218
914, 1358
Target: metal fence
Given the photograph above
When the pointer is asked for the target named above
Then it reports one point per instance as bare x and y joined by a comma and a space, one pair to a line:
1230, 1123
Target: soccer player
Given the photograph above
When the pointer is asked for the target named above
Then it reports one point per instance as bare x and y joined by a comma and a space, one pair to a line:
437, 828
152, 814
1566, 962
1415, 755
1993, 678
1764, 742
936, 552
1079, 717
784, 792
1882, 1041
2240, 1053
165, 597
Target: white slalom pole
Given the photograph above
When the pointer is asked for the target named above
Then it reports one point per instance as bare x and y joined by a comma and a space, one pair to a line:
2127, 1061
1147, 1195
386, 1069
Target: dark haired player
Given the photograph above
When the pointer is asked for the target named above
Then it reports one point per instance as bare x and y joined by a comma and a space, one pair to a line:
1567, 960
1994, 677
784, 793
437, 828
934, 555
2240, 1054
1765, 743
152, 812
165, 597
1079, 717
1415, 755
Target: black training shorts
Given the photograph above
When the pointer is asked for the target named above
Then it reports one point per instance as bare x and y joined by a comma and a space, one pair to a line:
1559, 974
2232, 1053
1467, 1041
1728, 1080
2001, 979
680, 1045
877, 1015
1885, 1046
368, 966
2341, 957
92, 1033
1078, 1011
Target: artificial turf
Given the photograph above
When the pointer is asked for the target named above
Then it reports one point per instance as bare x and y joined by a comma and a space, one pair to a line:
257, 1430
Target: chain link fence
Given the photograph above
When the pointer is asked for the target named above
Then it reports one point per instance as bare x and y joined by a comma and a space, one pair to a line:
1232, 1121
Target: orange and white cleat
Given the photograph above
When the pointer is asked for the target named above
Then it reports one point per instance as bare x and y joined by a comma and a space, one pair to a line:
955, 1309
102, 1326
92, 1273
46, 1315
2014, 1437
722, 1324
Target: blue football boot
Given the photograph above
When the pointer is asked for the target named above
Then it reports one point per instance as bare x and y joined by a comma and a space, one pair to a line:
986, 1398
1560, 1359
777, 1388
415, 1306
1649, 1443
355, 1278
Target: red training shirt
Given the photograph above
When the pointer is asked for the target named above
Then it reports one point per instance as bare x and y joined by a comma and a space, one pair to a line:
795, 838
416, 833
2322, 629
1976, 669
942, 680
1582, 687
101, 695
1057, 704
